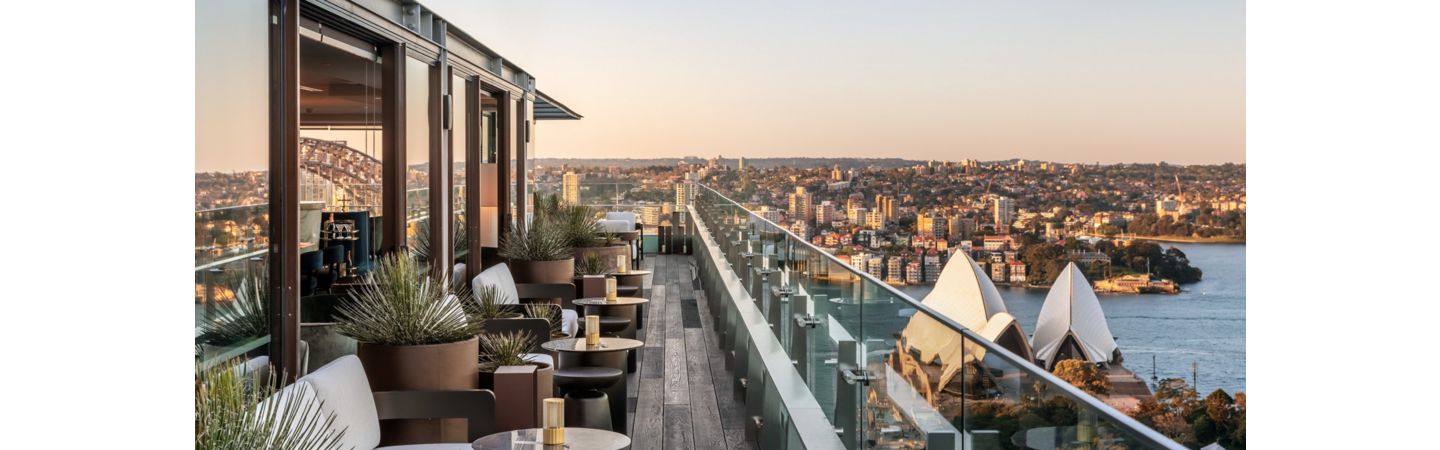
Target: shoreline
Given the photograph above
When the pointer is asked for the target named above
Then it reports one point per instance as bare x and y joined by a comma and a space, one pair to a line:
1190, 239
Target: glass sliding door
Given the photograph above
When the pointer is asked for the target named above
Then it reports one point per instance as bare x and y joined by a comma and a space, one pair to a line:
459, 154
232, 180
417, 157
341, 157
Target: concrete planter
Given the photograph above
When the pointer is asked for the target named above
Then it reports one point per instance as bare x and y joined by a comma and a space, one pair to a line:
450, 366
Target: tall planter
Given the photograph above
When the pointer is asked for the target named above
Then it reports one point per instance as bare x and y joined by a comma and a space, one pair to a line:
449, 366
607, 254
558, 271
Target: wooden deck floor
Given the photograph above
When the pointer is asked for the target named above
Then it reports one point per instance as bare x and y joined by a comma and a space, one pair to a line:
680, 397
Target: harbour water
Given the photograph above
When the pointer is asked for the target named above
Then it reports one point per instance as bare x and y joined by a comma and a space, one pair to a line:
1204, 324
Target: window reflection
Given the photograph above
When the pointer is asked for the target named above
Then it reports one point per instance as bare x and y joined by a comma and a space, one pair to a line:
417, 157
232, 220
459, 146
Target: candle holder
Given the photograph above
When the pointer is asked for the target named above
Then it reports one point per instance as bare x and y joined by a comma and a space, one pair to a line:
554, 421
592, 330
611, 289
622, 264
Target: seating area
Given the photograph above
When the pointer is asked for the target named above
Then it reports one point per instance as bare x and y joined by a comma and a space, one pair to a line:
660, 393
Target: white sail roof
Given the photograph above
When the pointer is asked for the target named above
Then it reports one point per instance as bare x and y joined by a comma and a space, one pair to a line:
964, 294
1071, 309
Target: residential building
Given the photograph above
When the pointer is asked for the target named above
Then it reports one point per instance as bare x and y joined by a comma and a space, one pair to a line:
1003, 211
885, 205
682, 196
1017, 272
959, 228
571, 188
932, 266
875, 220
857, 216
997, 271
913, 274
930, 225
825, 213
801, 209
895, 270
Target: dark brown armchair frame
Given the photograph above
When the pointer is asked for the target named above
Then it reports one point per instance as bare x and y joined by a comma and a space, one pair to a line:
475, 405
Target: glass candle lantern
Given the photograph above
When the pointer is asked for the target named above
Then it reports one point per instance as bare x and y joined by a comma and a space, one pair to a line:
622, 264
611, 289
592, 330
554, 421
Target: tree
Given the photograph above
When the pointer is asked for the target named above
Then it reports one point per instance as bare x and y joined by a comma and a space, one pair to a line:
1084, 375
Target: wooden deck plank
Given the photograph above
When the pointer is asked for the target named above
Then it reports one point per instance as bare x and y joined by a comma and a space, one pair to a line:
704, 412
678, 430
677, 389
679, 404
647, 433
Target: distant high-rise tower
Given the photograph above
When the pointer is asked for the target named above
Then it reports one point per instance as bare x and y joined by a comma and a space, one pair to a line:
885, 205
682, 195
801, 208
836, 174
570, 191
1004, 209
930, 225
741, 165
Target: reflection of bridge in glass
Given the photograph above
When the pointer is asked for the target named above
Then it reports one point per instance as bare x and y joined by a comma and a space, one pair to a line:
352, 171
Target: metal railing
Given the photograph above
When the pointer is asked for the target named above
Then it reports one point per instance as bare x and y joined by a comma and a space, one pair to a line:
846, 333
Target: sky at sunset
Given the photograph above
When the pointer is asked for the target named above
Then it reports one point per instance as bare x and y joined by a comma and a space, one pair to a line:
1106, 81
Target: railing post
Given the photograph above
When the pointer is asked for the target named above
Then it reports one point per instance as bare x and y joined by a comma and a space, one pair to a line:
754, 393
850, 383
800, 344
772, 423
778, 297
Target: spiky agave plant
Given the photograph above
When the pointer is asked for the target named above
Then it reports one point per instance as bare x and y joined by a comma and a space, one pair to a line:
490, 303
549, 312
241, 319
504, 349
541, 242
399, 306
236, 410
592, 264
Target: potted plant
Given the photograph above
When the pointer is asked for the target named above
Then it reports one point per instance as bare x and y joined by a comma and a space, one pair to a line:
412, 333
236, 409
491, 304
580, 228
520, 384
590, 276
540, 254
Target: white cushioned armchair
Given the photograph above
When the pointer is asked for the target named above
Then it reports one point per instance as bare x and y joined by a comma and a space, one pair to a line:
345, 391
499, 276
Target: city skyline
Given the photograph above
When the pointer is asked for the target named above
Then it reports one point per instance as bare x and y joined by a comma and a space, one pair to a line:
1121, 81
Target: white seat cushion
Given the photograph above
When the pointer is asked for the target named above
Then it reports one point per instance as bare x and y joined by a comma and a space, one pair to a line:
615, 226
628, 217
456, 446
569, 322
345, 391
539, 358
499, 276
457, 277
